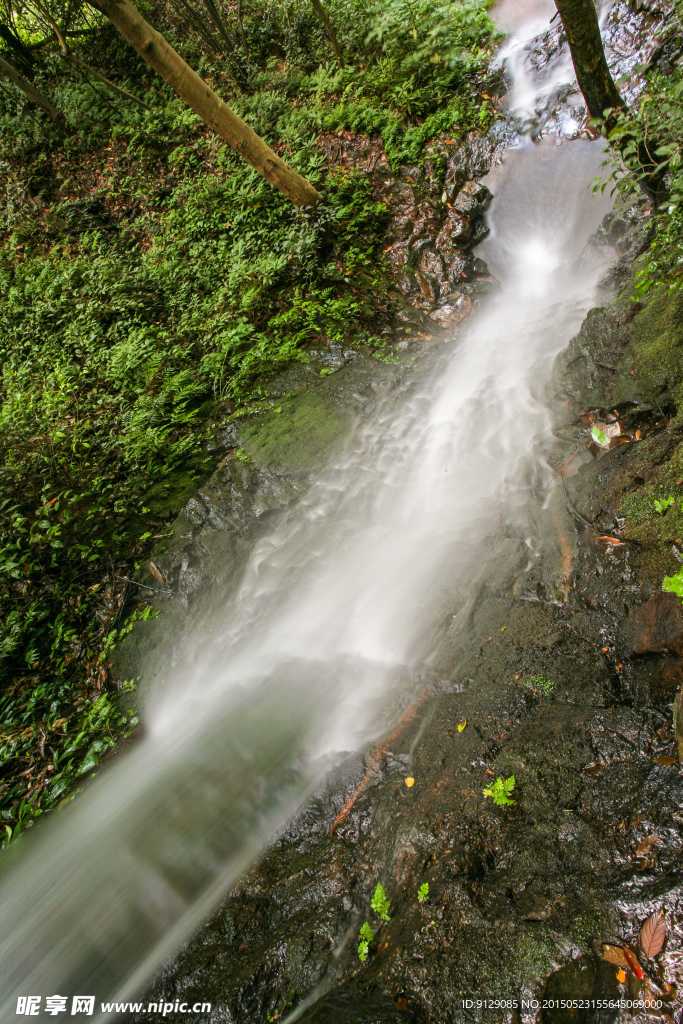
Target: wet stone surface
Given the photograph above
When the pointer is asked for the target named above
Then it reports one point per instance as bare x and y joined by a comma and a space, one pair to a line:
436, 217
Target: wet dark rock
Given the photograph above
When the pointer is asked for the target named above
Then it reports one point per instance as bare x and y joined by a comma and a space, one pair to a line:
678, 724
456, 229
399, 230
586, 978
657, 626
479, 231
431, 264
472, 200
453, 312
429, 286
407, 282
435, 213
358, 1009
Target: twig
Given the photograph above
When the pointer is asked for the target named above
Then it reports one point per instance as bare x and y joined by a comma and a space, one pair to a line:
134, 583
572, 506
377, 757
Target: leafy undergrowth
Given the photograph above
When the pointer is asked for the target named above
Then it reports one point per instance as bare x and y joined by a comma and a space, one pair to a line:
657, 121
150, 283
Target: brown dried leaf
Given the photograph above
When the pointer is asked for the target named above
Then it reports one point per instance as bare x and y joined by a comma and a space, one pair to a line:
614, 955
653, 934
645, 846
156, 574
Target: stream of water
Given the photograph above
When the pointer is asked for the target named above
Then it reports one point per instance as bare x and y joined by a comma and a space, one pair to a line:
294, 670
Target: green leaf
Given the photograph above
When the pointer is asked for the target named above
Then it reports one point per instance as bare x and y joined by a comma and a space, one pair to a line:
674, 584
380, 903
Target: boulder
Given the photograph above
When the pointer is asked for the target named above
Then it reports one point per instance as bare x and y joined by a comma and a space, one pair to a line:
657, 626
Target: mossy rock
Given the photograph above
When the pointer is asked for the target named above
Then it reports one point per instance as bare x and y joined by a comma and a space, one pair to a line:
654, 358
624, 354
168, 496
300, 435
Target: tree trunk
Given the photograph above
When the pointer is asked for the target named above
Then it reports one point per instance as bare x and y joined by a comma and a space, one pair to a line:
325, 18
29, 90
581, 26
240, 25
580, 20
218, 22
154, 49
23, 56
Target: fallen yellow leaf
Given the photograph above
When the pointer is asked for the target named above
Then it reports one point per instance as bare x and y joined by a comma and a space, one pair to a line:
462, 726
410, 781
621, 976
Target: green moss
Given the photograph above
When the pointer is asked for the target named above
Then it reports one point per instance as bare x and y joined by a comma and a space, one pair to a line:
300, 437
534, 956
540, 683
167, 497
638, 507
654, 358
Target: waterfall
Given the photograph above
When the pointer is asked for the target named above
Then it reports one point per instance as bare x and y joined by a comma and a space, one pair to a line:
333, 609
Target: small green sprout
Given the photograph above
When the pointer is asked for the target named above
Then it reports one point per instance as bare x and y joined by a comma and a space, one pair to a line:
500, 791
540, 683
662, 504
423, 892
380, 903
365, 937
598, 435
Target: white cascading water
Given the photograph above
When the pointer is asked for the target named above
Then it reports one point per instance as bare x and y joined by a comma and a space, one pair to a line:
331, 612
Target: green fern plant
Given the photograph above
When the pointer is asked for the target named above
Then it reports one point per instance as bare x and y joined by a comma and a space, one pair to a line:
500, 791
380, 903
365, 937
